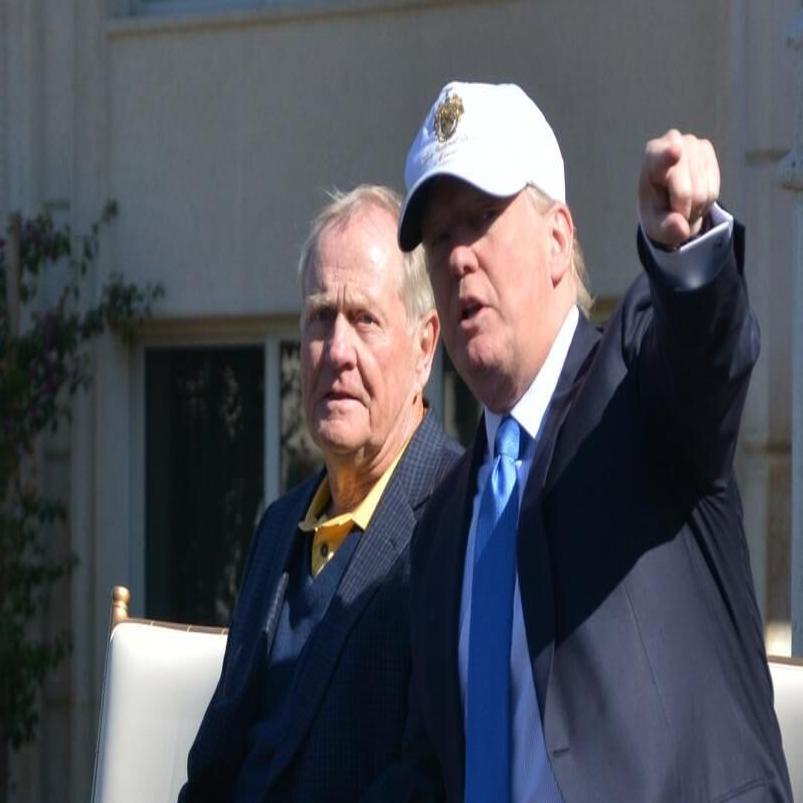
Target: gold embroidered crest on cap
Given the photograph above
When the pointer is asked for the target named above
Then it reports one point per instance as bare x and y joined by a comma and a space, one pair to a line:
447, 116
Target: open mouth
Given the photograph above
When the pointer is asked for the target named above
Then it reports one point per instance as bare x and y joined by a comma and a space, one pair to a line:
469, 310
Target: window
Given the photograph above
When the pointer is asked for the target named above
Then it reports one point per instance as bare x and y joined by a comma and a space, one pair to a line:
203, 476
299, 457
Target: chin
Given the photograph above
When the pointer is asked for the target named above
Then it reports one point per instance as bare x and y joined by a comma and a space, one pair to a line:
338, 438
477, 365
490, 382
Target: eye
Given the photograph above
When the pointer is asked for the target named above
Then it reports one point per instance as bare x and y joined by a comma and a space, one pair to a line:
320, 315
486, 216
434, 232
437, 241
365, 318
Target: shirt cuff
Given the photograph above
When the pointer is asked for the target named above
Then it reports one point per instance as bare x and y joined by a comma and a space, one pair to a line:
696, 262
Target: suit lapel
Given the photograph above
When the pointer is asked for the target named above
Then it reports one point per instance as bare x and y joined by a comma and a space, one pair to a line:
448, 562
375, 554
586, 409
387, 536
534, 561
533, 552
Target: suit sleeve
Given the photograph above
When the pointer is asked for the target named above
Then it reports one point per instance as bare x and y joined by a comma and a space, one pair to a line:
694, 351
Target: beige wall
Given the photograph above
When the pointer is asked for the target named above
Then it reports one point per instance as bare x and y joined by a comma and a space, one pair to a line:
216, 135
220, 137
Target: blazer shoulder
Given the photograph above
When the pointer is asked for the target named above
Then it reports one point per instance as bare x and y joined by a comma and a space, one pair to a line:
429, 456
449, 491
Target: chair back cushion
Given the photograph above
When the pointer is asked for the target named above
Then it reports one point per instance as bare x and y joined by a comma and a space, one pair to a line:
157, 684
787, 680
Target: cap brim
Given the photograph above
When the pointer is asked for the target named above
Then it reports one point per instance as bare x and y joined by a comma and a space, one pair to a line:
488, 181
410, 217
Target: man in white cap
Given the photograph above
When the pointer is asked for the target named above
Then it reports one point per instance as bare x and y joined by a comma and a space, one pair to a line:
583, 619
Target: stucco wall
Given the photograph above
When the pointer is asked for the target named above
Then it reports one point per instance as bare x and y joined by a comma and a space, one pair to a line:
217, 134
220, 137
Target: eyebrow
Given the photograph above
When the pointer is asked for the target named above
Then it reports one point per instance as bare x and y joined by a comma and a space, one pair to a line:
353, 298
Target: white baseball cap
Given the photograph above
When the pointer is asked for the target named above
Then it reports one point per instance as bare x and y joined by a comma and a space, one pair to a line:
490, 135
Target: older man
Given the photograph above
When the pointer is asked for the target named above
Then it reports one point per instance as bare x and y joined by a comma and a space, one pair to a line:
583, 618
311, 701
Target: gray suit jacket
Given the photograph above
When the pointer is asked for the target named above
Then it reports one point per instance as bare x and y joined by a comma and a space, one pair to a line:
349, 704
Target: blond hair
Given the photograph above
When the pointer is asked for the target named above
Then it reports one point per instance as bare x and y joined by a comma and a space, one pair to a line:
584, 298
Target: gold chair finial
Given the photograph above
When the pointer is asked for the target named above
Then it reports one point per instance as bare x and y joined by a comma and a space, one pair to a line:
121, 597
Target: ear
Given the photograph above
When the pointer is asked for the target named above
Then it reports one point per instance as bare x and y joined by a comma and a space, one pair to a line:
561, 242
426, 342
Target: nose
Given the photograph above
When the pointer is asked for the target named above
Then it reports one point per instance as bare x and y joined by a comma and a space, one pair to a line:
340, 343
462, 260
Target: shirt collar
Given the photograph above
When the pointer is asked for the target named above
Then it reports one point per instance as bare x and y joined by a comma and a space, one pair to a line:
360, 516
530, 409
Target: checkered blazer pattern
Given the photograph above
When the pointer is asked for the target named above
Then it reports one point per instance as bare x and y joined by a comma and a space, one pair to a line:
349, 700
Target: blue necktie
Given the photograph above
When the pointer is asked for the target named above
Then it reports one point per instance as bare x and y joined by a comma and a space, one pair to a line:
488, 710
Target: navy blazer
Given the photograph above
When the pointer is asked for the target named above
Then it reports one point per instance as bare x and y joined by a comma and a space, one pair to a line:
644, 635
349, 705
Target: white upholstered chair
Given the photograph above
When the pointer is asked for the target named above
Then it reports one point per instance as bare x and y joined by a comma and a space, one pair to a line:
787, 679
160, 676
158, 680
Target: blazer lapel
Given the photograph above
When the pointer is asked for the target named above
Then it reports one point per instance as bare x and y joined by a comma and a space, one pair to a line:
586, 408
386, 538
377, 551
448, 561
533, 553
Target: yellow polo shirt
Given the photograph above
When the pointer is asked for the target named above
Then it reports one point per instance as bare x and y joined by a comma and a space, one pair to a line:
331, 532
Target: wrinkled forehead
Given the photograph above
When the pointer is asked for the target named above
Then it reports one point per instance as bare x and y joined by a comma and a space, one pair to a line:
360, 249
354, 278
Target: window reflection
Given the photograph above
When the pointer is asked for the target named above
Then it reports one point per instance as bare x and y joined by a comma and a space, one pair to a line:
204, 477
461, 411
299, 456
